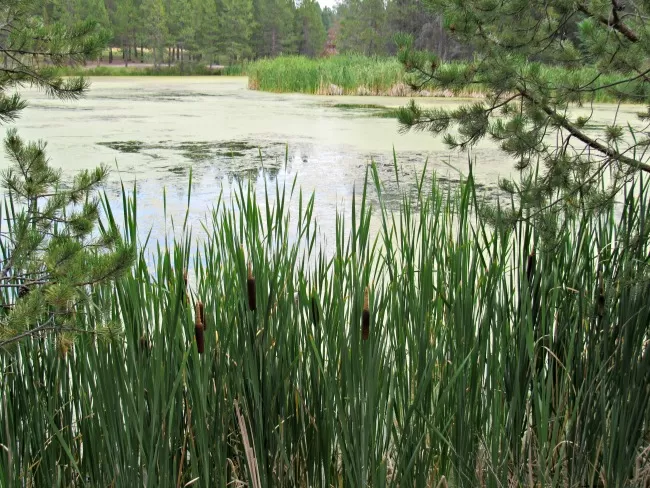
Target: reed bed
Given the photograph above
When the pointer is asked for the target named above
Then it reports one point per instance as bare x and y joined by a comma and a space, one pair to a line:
440, 352
377, 76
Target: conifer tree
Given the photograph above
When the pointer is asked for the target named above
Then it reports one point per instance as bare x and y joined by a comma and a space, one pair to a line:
155, 27
363, 27
528, 110
51, 251
235, 28
207, 30
310, 28
274, 33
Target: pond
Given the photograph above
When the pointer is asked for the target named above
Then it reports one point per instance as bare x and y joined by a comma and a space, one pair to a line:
152, 130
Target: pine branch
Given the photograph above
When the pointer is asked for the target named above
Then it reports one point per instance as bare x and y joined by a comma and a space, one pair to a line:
581, 136
615, 23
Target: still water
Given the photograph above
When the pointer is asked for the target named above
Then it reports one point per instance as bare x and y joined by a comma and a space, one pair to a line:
150, 131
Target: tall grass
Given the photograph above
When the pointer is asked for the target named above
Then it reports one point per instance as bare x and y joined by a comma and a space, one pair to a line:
362, 75
493, 358
334, 75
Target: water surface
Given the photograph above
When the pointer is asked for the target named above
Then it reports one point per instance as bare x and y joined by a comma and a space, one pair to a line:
152, 130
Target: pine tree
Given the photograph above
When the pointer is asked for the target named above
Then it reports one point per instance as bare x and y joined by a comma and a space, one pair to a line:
363, 27
125, 21
180, 27
310, 28
235, 29
207, 30
155, 27
274, 33
51, 251
528, 103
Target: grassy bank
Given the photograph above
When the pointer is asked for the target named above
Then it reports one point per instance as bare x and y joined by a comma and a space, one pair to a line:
135, 70
361, 75
440, 348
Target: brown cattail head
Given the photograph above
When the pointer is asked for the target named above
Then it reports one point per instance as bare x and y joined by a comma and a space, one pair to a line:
198, 327
187, 295
601, 294
200, 309
200, 342
145, 345
365, 318
252, 300
314, 309
199, 314
530, 267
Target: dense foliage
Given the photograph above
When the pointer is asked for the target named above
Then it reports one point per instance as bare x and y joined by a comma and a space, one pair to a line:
436, 350
530, 111
50, 249
229, 31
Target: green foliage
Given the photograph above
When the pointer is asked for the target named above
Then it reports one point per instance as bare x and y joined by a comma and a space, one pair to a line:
310, 29
355, 74
275, 30
304, 75
363, 27
495, 356
235, 29
153, 12
528, 102
51, 251
52, 254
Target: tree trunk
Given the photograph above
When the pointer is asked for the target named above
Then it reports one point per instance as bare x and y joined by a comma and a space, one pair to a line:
125, 55
110, 55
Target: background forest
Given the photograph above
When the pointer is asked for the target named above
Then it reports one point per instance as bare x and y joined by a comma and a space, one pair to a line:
230, 31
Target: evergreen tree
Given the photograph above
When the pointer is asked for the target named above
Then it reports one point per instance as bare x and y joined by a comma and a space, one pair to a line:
95, 11
207, 30
328, 16
310, 28
50, 249
364, 27
155, 28
527, 102
125, 22
274, 32
181, 26
235, 29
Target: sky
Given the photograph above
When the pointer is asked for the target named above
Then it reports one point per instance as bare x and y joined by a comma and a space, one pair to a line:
327, 3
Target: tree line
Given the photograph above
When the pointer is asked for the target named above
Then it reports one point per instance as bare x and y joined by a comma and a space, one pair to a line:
231, 31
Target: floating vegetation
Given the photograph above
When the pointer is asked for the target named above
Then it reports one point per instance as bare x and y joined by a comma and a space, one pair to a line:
358, 106
200, 151
124, 146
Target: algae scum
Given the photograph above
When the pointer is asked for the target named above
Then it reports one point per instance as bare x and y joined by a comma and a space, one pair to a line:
233, 157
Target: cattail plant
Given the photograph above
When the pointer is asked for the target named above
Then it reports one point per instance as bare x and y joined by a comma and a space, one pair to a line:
198, 326
145, 345
601, 294
530, 267
252, 300
314, 308
187, 295
365, 318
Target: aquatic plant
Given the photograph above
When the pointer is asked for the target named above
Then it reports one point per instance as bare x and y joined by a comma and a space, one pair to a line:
440, 351
363, 75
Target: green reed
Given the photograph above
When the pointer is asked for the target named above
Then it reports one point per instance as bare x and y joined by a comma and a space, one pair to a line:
363, 75
482, 366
